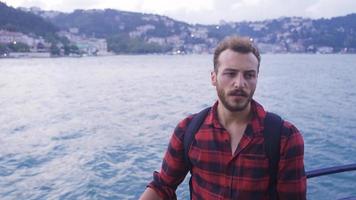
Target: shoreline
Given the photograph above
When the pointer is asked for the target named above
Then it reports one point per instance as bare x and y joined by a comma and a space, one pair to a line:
22, 55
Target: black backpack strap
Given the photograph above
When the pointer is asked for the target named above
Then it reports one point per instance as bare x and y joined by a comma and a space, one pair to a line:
192, 129
272, 138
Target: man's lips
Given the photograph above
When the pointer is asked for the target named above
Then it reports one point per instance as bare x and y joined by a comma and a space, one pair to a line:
238, 93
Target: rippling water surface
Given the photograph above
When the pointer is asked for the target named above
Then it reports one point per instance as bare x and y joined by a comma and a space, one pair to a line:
96, 128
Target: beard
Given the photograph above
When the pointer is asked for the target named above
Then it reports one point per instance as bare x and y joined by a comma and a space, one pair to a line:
233, 105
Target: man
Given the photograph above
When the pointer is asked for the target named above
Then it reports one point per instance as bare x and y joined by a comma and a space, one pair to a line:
227, 155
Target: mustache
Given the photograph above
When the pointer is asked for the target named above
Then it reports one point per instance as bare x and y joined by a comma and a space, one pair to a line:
238, 93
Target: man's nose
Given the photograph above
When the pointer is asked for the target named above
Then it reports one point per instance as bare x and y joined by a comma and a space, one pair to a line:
239, 81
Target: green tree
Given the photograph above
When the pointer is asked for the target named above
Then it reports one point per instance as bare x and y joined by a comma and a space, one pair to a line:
71, 49
3, 49
18, 47
123, 44
55, 50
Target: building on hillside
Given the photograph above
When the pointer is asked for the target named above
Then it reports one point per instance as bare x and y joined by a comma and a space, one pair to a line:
35, 44
92, 46
325, 49
87, 46
11, 37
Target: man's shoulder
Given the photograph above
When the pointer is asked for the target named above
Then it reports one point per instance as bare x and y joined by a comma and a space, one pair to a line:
182, 126
291, 135
195, 119
199, 114
289, 129
184, 122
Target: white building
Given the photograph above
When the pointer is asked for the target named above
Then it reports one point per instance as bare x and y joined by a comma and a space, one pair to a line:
90, 46
11, 37
7, 37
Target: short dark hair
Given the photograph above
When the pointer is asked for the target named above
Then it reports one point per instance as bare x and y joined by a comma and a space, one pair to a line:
237, 44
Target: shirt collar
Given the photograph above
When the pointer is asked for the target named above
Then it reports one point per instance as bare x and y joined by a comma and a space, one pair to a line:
256, 123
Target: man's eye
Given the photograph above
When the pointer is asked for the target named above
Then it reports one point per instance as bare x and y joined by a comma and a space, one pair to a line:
249, 75
230, 74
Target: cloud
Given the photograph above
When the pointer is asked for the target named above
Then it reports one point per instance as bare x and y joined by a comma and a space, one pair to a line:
206, 11
24, 3
246, 10
331, 8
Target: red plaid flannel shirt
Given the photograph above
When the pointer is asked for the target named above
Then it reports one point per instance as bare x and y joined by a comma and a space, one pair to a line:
217, 174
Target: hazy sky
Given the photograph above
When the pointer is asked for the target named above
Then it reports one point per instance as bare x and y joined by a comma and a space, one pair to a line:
206, 11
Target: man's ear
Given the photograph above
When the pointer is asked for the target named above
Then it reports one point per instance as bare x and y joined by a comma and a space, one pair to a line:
213, 78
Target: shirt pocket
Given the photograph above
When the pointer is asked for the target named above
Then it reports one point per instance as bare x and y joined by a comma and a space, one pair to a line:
253, 172
208, 161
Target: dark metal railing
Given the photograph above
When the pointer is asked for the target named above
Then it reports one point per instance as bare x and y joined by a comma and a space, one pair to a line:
330, 170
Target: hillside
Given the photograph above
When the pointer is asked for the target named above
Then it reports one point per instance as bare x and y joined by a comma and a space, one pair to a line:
129, 32
287, 34
16, 20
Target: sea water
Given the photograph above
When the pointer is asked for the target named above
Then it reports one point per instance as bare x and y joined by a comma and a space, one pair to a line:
97, 127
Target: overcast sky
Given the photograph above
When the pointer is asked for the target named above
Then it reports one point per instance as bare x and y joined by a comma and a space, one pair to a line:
206, 11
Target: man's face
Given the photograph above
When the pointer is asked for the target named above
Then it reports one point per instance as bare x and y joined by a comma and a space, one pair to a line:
236, 79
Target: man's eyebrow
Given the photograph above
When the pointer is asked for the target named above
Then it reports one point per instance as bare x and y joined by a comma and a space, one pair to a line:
236, 70
250, 71
231, 70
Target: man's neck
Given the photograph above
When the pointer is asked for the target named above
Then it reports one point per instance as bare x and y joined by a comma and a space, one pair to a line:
226, 117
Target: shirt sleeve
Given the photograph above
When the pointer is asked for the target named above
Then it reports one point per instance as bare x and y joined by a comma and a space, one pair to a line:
173, 169
291, 175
